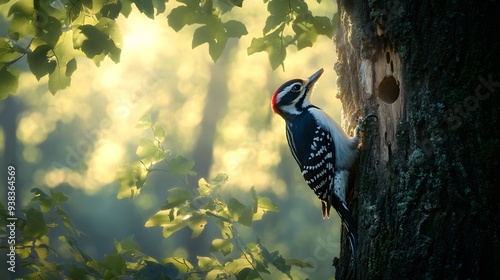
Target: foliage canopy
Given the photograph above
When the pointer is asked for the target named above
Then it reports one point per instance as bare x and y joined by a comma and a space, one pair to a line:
53, 34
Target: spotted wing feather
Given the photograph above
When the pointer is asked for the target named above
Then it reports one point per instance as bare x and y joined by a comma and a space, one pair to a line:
314, 154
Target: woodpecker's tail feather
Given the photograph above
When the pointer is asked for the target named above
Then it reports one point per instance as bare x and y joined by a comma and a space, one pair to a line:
350, 226
353, 239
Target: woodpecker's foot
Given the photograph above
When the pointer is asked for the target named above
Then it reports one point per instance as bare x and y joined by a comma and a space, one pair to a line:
354, 119
362, 122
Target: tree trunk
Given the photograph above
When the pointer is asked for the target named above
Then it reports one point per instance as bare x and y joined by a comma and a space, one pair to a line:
425, 193
214, 110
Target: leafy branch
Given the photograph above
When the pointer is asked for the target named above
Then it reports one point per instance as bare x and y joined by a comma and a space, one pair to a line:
228, 255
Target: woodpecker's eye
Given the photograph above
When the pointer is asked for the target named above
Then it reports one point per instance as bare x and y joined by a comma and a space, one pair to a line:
296, 88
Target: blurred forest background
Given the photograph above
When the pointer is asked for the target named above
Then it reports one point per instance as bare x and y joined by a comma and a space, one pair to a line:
217, 114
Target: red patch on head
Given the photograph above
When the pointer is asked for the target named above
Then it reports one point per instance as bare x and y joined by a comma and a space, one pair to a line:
274, 100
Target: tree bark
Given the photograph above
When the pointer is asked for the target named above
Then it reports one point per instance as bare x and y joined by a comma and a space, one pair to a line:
425, 193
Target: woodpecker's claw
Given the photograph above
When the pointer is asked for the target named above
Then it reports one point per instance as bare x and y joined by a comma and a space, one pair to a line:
352, 121
362, 122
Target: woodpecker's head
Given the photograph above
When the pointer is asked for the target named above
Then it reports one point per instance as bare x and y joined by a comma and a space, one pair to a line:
292, 98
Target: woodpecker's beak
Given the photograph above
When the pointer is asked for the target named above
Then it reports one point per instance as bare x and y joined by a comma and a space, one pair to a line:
314, 78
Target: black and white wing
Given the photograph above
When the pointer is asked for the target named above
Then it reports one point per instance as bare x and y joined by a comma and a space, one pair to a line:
315, 155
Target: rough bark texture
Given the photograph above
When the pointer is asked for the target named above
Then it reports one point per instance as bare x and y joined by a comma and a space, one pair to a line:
426, 190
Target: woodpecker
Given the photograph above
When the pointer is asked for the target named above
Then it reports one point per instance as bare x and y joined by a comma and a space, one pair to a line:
321, 148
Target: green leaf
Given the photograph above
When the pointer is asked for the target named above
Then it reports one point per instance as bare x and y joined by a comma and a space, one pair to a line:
76, 272
203, 34
153, 270
266, 204
182, 265
127, 244
235, 208
159, 132
9, 82
221, 7
111, 9
298, 6
216, 47
206, 263
115, 264
126, 7
238, 3
177, 196
324, 25
304, 30
174, 220
159, 219
96, 5
146, 7
131, 178
204, 188
298, 263
225, 228
35, 225
280, 263
24, 7
220, 179
274, 44
58, 197
236, 266
7, 52
50, 30
44, 200
307, 28
79, 255
70, 67
42, 249
255, 197
90, 40
184, 15
40, 61
22, 24
144, 122
272, 22
235, 29
197, 223
279, 11
171, 228
97, 41
180, 165
246, 216
268, 257
215, 274
214, 35
149, 152
223, 245
249, 273
64, 51
115, 40
240, 212
159, 6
